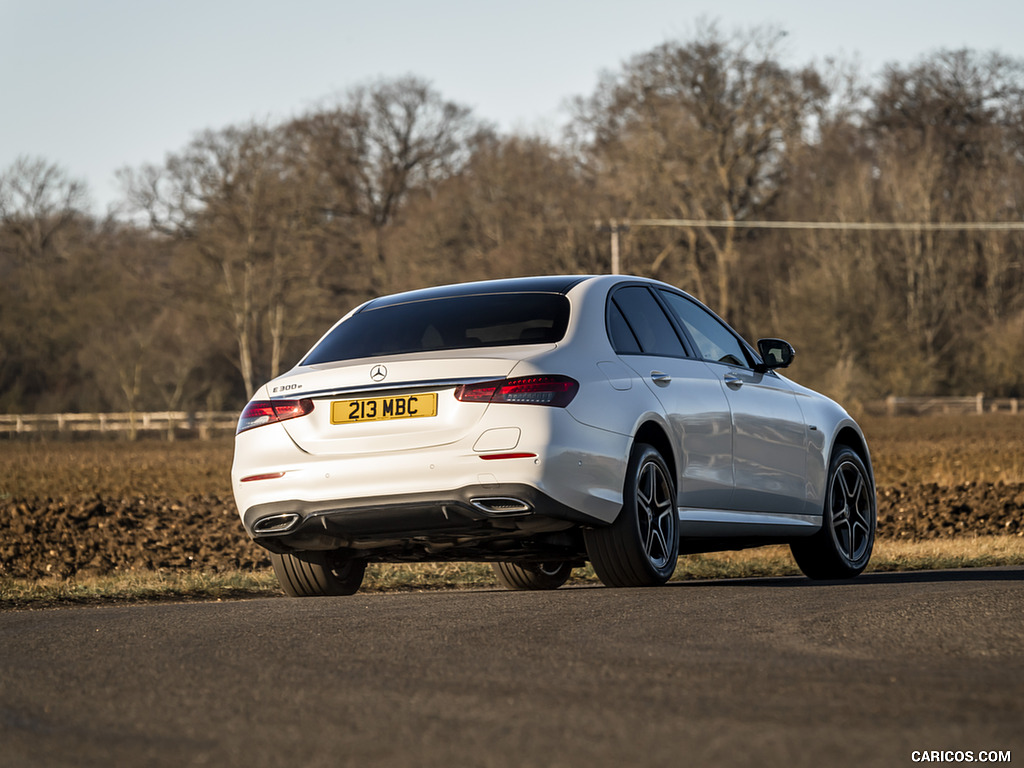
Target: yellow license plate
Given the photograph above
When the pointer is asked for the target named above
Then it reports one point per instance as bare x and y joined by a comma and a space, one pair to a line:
384, 408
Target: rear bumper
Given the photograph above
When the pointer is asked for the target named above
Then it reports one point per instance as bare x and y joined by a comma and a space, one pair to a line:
559, 469
467, 517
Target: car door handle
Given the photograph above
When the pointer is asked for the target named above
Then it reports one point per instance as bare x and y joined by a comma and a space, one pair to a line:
734, 381
660, 378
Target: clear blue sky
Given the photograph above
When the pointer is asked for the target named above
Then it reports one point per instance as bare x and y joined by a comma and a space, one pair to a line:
96, 85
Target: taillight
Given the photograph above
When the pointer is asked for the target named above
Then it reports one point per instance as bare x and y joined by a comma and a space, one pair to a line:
261, 412
527, 390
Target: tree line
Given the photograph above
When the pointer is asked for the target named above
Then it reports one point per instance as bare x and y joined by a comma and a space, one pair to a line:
242, 247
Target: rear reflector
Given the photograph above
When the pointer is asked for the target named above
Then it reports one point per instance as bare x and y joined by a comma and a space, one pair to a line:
556, 391
493, 456
259, 413
267, 476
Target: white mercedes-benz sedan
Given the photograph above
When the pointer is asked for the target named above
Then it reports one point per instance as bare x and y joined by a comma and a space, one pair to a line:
538, 423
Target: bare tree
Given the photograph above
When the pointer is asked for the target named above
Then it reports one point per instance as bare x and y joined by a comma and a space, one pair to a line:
38, 203
699, 130
42, 231
236, 199
377, 146
947, 138
519, 207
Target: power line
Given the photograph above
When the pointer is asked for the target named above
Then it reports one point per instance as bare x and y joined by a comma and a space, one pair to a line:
615, 226
871, 226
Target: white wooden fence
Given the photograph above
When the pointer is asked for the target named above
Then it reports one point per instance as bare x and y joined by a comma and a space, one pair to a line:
921, 406
206, 424
202, 424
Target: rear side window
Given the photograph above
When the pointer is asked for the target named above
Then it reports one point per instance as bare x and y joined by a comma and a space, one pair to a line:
637, 324
453, 322
623, 340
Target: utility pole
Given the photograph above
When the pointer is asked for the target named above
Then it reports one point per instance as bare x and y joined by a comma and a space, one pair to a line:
614, 227
615, 246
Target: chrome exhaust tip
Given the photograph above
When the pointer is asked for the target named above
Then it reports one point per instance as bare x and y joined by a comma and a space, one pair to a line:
276, 523
501, 505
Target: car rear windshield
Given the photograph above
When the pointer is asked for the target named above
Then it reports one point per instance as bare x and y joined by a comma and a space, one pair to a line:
453, 322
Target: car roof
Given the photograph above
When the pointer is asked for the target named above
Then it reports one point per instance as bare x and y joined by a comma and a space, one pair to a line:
541, 284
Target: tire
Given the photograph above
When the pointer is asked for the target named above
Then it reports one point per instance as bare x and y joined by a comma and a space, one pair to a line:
640, 548
318, 574
520, 576
842, 548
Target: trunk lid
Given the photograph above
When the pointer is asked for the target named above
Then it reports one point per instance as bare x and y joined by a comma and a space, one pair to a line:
390, 403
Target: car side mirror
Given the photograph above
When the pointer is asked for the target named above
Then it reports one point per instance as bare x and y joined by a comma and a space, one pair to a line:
775, 353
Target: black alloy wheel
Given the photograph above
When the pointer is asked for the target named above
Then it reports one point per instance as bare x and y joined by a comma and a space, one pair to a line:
842, 548
641, 546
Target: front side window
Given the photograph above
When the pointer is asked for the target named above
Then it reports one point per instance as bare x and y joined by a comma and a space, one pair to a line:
451, 322
715, 341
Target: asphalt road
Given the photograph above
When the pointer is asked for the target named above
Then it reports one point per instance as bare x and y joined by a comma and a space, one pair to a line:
767, 672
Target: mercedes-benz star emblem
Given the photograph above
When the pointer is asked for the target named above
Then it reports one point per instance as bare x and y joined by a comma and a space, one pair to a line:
378, 373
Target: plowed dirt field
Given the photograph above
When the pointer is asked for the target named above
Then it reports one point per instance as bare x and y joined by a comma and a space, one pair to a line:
97, 507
